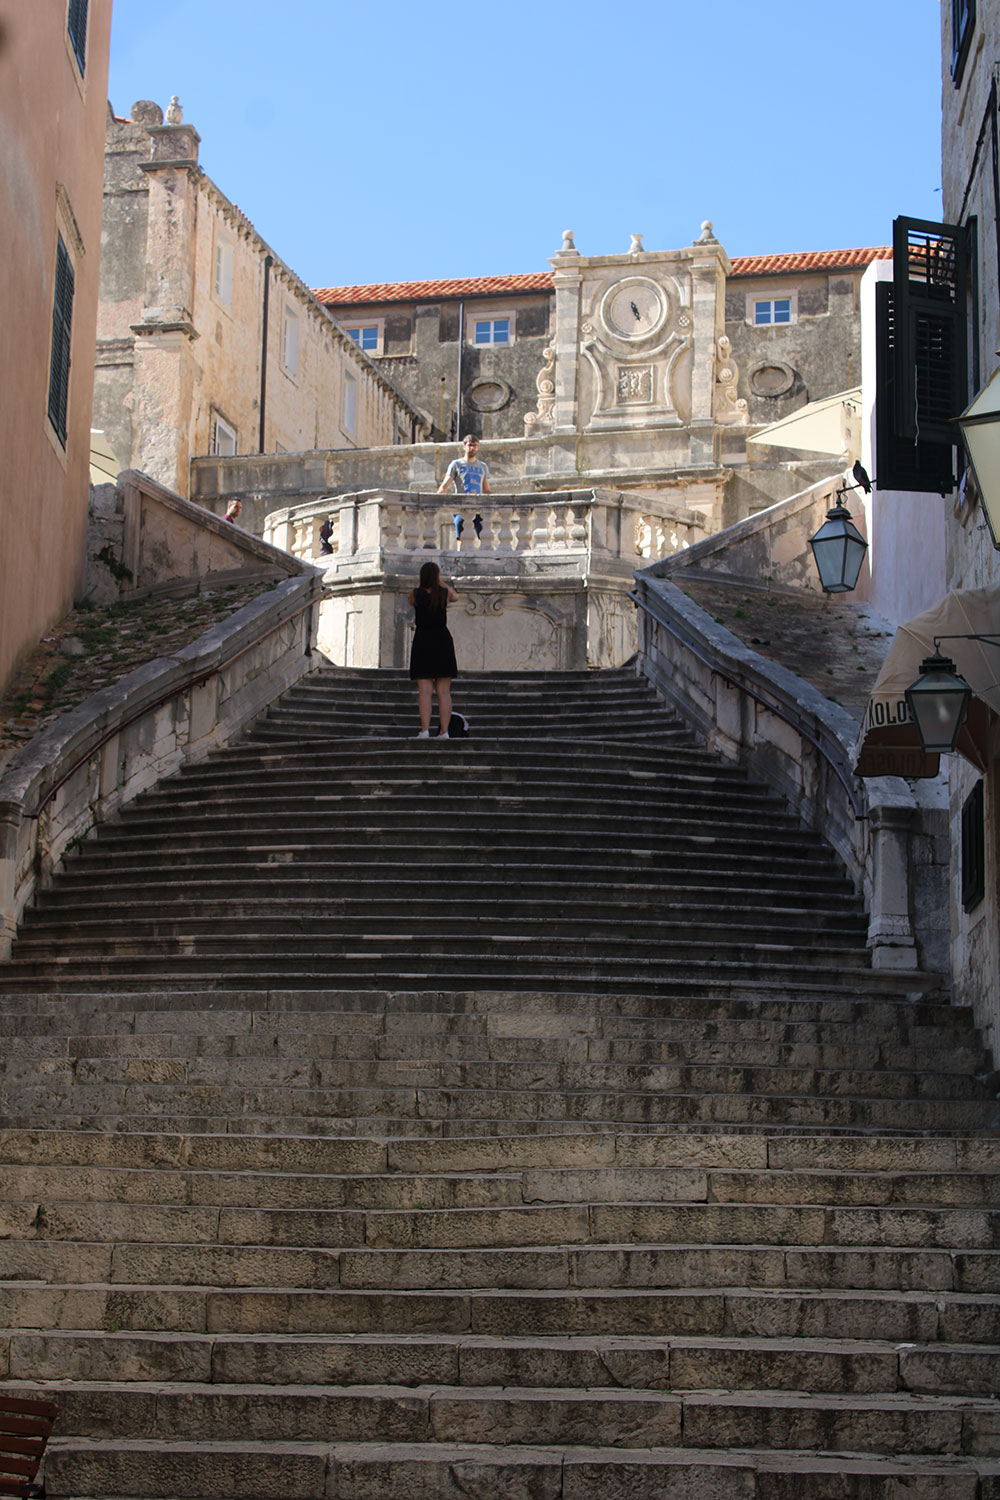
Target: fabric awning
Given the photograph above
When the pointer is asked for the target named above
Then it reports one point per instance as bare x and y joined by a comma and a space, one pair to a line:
832, 425
104, 467
889, 744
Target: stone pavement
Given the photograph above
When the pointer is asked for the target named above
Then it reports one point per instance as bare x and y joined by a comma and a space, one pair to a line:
92, 648
835, 643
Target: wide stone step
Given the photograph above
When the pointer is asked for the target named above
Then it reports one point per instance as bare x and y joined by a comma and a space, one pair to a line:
152, 1057
117, 1470
678, 1364
828, 1311
73, 1185
561, 1415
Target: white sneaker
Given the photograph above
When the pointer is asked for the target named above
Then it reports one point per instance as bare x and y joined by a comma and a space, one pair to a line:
445, 736
424, 734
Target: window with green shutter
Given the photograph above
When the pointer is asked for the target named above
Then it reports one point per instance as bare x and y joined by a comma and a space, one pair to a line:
62, 324
76, 24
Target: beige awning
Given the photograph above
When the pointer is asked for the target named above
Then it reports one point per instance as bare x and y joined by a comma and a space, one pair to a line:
832, 425
889, 744
104, 467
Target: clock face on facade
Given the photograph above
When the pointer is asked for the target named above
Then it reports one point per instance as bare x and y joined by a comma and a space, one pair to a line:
633, 309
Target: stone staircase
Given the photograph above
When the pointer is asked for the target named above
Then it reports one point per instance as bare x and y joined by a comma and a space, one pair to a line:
512, 1117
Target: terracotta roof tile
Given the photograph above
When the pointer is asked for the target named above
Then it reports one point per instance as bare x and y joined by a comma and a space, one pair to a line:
807, 260
422, 291
542, 281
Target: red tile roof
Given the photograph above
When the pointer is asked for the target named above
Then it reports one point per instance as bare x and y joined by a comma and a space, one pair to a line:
542, 281
424, 291
808, 260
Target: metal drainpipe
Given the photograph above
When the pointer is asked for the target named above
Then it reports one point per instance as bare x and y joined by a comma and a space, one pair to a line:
268, 263
461, 346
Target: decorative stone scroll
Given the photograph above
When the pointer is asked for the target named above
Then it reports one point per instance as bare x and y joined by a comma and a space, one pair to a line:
546, 385
729, 406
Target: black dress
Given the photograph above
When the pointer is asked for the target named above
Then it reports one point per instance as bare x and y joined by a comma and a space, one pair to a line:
433, 651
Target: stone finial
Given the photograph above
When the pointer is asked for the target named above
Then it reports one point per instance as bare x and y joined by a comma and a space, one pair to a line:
636, 246
175, 115
707, 237
145, 112
568, 247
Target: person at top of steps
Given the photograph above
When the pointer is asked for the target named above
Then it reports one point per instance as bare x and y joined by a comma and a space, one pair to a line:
432, 654
470, 476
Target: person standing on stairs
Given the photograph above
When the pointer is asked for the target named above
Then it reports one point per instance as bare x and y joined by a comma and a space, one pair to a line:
432, 654
470, 476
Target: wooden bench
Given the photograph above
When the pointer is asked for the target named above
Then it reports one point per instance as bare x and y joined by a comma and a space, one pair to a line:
25, 1426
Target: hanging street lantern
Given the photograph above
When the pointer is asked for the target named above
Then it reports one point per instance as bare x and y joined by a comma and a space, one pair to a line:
980, 424
839, 550
939, 701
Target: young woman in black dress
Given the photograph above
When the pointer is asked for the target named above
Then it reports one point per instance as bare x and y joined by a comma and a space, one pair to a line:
432, 655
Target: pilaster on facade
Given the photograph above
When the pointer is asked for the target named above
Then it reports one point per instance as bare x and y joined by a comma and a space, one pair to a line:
566, 265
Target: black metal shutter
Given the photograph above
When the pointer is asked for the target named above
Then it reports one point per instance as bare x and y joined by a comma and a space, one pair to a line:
77, 27
62, 323
900, 462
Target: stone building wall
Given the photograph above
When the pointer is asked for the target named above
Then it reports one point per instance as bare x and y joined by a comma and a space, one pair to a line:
186, 360
969, 164
418, 347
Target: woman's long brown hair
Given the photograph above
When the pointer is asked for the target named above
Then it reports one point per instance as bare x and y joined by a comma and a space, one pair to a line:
430, 579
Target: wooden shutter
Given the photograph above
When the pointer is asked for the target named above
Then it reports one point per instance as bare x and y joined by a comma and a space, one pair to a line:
62, 324
930, 313
77, 26
901, 463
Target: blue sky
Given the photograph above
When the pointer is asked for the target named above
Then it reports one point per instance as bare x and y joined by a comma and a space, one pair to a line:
391, 141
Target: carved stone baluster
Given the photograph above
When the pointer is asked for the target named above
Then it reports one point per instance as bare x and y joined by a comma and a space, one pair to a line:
515, 529
502, 516
428, 526
392, 524
538, 527
576, 526
410, 530
557, 525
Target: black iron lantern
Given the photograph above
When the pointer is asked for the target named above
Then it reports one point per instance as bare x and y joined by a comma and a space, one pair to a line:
939, 701
839, 550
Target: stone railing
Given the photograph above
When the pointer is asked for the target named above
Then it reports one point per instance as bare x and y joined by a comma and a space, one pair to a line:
89, 763
609, 522
892, 840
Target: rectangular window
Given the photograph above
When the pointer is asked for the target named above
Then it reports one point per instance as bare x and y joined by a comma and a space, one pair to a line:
366, 337
290, 343
62, 325
492, 331
223, 437
775, 310
223, 282
973, 848
76, 25
350, 415
963, 22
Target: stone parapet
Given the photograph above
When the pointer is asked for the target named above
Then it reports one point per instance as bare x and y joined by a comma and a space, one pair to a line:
789, 735
91, 762
545, 585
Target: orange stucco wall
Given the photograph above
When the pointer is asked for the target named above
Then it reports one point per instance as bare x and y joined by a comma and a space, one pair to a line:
51, 169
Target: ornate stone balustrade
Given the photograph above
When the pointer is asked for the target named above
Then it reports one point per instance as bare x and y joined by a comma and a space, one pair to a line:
545, 584
618, 525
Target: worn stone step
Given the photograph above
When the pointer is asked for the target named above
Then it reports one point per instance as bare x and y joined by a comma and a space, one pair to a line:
115, 1470
675, 1363
830, 1422
318, 1155
909, 1316
478, 1075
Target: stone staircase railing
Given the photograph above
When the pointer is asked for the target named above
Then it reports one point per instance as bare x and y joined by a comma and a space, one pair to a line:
891, 837
605, 523
90, 762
